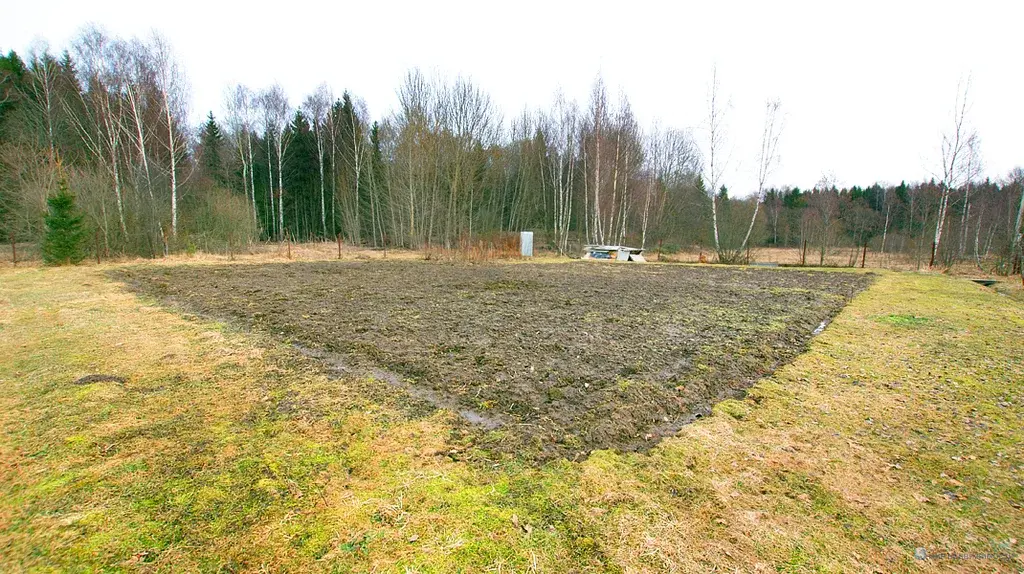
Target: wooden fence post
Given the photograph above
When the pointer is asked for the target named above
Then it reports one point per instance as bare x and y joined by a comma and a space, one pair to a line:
864, 255
803, 255
288, 242
339, 246
14, 250
97, 242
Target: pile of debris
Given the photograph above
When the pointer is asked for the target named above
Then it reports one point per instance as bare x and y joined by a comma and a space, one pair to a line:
613, 253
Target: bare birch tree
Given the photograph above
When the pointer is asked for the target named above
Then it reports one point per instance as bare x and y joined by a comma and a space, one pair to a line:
99, 123
563, 127
954, 149
655, 167
316, 107
277, 114
973, 170
598, 118
241, 121
767, 159
824, 206
355, 154
1017, 240
268, 118
43, 71
171, 84
135, 64
715, 164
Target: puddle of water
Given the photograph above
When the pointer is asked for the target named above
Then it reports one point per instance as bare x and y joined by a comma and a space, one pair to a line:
339, 367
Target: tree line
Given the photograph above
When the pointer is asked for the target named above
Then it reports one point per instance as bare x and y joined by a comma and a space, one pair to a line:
111, 117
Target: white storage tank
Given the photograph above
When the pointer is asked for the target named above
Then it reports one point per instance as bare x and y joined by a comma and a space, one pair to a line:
526, 243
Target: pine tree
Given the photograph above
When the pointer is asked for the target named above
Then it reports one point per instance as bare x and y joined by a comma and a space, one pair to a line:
12, 82
64, 237
212, 141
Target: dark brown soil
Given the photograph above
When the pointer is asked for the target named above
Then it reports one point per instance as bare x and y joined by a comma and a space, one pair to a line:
559, 358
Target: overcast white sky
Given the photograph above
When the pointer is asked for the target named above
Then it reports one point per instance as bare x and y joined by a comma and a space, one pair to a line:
867, 87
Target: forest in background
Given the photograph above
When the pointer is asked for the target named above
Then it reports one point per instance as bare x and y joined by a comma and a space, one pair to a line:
110, 116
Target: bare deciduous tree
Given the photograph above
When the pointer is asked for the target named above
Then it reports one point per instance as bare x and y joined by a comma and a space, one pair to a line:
276, 115
241, 121
715, 165
316, 107
954, 149
565, 134
1017, 241
972, 172
171, 84
98, 118
824, 206
43, 72
767, 159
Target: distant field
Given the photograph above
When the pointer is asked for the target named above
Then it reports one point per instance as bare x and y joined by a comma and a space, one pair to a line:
561, 359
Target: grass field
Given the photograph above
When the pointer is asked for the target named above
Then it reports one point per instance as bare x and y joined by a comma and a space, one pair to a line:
224, 450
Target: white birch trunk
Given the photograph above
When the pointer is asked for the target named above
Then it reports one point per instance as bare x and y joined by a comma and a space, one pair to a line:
280, 185
172, 149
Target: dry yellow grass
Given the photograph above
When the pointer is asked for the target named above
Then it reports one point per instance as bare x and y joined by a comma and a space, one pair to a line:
267, 252
28, 254
899, 429
837, 257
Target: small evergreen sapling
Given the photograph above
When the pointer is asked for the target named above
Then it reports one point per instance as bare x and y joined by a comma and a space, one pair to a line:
62, 244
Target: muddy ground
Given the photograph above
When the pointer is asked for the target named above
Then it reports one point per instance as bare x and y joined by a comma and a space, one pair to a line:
546, 359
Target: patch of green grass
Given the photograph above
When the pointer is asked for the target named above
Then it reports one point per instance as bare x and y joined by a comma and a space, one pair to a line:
905, 320
733, 408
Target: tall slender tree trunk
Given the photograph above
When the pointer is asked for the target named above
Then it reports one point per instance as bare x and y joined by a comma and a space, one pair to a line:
140, 141
173, 152
280, 185
977, 242
323, 202
753, 218
272, 223
885, 228
615, 191
117, 190
586, 195
623, 208
647, 210
965, 215
714, 221
940, 223
1017, 239
598, 235
252, 181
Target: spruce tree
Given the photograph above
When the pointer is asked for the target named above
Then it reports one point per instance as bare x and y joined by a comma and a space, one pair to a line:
64, 237
212, 141
12, 83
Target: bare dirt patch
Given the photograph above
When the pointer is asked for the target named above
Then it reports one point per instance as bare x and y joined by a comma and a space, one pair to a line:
559, 358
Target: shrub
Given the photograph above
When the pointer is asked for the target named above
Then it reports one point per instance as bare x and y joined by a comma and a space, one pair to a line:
62, 244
